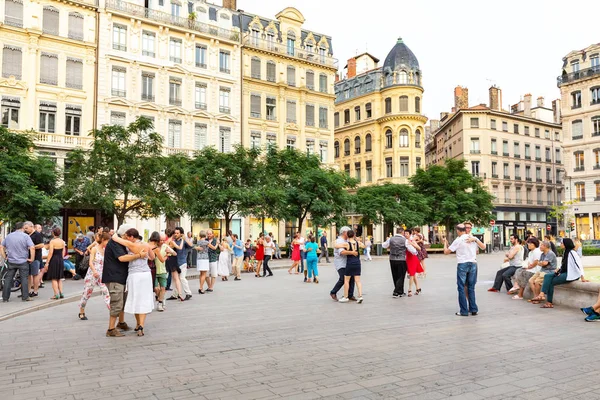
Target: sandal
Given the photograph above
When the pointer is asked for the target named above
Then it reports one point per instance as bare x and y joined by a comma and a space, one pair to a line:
517, 297
62, 296
82, 317
418, 292
55, 297
410, 293
548, 305
140, 331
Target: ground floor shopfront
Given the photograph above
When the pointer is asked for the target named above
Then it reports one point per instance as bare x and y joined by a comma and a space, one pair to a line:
587, 225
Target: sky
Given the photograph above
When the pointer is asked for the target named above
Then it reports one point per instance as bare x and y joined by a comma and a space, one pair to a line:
517, 45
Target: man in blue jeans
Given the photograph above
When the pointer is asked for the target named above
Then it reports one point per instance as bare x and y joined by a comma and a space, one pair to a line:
465, 246
19, 250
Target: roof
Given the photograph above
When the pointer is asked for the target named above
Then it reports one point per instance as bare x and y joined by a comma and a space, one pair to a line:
371, 56
400, 57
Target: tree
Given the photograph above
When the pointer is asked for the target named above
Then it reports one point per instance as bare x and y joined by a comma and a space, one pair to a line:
309, 187
391, 204
122, 173
222, 185
29, 182
453, 195
563, 213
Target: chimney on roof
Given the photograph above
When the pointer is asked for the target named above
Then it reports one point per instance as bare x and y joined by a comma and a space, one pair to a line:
556, 111
461, 97
231, 4
540, 101
495, 98
351, 68
527, 105
337, 77
443, 115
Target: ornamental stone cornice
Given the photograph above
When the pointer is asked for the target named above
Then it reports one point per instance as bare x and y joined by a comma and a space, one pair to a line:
399, 117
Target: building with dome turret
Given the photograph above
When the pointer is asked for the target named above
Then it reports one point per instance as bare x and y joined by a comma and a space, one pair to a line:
378, 120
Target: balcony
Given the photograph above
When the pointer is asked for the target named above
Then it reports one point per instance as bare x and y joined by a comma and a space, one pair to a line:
594, 134
200, 106
224, 110
575, 76
13, 21
121, 47
538, 159
475, 151
201, 65
538, 180
578, 137
118, 93
528, 157
296, 52
578, 169
506, 176
528, 179
148, 53
517, 177
130, 10
147, 97
225, 70
494, 152
505, 154
62, 141
517, 156
529, 201
176, 60
495, 176
174, 101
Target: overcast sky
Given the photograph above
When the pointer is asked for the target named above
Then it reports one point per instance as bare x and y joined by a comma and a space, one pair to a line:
515, 44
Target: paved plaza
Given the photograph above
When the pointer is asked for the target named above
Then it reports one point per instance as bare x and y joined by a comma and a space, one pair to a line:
280, 338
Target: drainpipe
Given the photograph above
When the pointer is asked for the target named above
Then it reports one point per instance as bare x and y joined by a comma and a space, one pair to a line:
241, 12
96, 67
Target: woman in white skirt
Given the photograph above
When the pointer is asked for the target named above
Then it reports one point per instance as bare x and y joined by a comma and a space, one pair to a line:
202, 262
224, 260
140, 297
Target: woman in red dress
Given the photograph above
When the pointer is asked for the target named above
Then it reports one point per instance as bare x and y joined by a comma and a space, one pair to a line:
296, 257
260, 254
413, 265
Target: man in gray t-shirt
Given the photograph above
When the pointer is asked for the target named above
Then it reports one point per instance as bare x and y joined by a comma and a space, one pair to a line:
548, 262
18, 249
339, 261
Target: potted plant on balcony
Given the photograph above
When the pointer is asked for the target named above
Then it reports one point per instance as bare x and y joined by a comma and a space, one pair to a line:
191, 19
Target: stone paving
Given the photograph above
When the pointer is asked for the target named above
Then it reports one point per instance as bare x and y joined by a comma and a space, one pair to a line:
280, 338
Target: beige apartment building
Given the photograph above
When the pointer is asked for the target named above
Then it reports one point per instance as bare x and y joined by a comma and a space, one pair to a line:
48, 72
518, 154
579, 86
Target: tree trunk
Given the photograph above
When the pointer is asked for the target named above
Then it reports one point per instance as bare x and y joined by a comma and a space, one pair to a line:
120, 218
300, 222
227, 219
262, 221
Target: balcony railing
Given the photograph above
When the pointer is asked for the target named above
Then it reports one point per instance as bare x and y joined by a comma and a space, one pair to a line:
130, 9
528, 157
147, 97
577, 137
55, 139
528, 179
176, 60
517, 177
119, 93
575, 76
200, 65
540, 202
596, 166
475, 151
495, 176
578, 169
494, 152
174, 150
538, 180
174, 101
517, 156
529, 201
296, 52
595, 134
200, 106
505, 154
148, 53
224, 110
506, 176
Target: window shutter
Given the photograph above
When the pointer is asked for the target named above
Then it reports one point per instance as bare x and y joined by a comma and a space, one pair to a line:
323, 117
291, 111
13, 12
271, 71
291, 76
200, 136
51, 20
11, 61
255, 105
49, 69
255, 68
310, 80
75, 26
74, 73
323, 83
310, 115
403, 103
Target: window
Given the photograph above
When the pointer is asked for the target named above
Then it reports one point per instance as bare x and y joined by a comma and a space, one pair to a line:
595, 61
336, 149
517, 171
72, 120
404, 171
336, 119
403, 104
291, 43
117, 118
47, 117
538, 153
119, 37
506, 171
388, 139
118, 82
50, 20
418, 139
323, 150
576, 99
597, 184
596, 158
200, 96
403, 138
200, 136
201, 60
175, 9
175, 50
357, 113
596, 126
291, 111
538, 174
255, 36
271, 108
255, 106
148, 46
369, 171
526, 130
475, 168
577, 129
224, 94
527, 151
418, 105
346, 116
270, 39
271, 140
518, 195
224, 139
13, 13
357, 171
174, 134
271, 67
528, 172
595, 94
547, 134
74, 77
548, 175
493, 124
418, 163
11, 60
10, 112
540, 199
357, 145
255, 67
505, 148
494, 169
75, 26
310, 115
347, 169
224, 57
323, 119
388, 105
388, 167
255, 137
347, 147
494, 147
49, 69
368, 143
505, 126
323, 83
475, 146
579, 161
290, 143
175, 91
517, 150
291, 75
474, 122
310, 146
548, 155
148, 86
580, 191
310, 80
368, 110
557, 156
507, 194
575, 65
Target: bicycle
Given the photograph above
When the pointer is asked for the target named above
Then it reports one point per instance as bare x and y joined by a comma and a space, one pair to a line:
3, 271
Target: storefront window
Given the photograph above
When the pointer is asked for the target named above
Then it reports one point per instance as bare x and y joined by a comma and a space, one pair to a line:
582, 226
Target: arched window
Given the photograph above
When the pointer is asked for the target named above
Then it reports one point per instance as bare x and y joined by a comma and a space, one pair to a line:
402, 78
403, 138
418, 105
388, 105
418, 139
368, 142
403, 103
388, 139
255, 67
50, 20
347, 147
357, 145
336, 149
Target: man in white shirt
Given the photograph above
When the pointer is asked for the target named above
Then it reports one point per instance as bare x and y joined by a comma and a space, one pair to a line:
302, 241
523, 275
465, 247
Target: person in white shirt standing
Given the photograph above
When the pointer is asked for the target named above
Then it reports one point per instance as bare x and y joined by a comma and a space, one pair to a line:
465, 247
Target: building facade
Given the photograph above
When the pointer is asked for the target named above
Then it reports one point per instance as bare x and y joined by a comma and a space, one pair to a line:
579, 86
517, 154
378, 120
48, 72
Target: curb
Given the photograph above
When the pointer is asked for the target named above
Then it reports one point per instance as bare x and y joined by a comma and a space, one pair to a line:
54, 303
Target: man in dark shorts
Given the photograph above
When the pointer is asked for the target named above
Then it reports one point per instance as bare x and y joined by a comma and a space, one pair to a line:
34, 268
114, 276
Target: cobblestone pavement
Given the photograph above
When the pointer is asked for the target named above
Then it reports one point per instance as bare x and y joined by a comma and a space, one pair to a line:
280, 338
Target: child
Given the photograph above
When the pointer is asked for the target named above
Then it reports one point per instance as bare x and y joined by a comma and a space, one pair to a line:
312, 258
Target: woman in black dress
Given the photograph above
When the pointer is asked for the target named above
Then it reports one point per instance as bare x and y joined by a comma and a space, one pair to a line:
353, 268
54, 265
172, 265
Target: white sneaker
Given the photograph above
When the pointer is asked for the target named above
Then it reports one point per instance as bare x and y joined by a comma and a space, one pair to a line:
343, 300
359, 300
161, 306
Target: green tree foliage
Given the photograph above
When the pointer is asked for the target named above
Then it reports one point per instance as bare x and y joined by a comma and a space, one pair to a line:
28, 182
122, 173
453, 195
391, 204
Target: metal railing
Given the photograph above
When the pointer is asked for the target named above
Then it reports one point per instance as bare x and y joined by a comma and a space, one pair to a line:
578, 169
165, 18
119, 93
72, 85
174, 101
224, 110
575, 76
295, 52
147, 97
200, 106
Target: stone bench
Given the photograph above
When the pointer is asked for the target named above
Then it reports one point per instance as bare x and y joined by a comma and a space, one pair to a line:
576, 294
